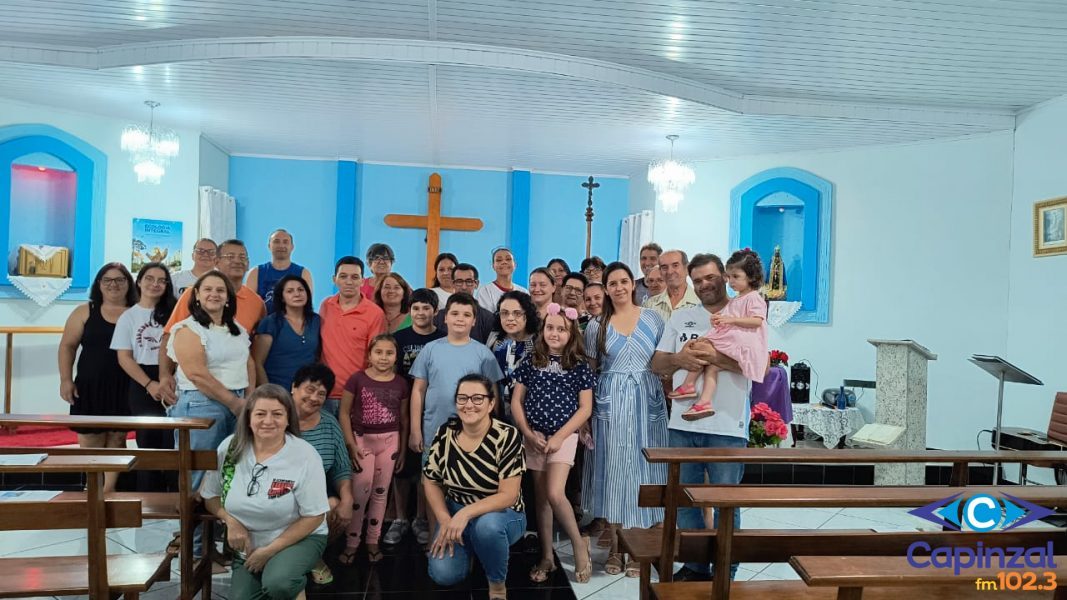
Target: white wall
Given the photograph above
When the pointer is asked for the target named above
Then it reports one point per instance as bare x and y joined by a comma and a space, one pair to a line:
36, 386
214, 165
919, 243
1037, 326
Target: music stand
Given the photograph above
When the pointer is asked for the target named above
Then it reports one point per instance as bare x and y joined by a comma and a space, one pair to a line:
1004, 371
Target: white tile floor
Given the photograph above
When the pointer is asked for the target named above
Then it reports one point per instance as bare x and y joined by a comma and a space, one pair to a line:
155, 535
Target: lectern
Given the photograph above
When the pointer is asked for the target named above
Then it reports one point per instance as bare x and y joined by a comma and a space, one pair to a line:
1004, 371
900, 372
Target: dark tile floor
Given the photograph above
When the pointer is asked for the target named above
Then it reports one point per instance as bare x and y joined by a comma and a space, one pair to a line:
402, 574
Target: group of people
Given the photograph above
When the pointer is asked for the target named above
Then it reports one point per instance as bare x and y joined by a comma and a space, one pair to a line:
463, 413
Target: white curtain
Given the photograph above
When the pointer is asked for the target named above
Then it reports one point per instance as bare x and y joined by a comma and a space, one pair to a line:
218, 214
636, 232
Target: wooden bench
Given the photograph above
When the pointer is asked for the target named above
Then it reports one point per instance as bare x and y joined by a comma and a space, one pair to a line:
646, 548
181, 506
96, 574
727, 548
851, 574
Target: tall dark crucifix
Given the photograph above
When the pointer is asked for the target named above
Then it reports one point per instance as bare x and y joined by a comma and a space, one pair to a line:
589, 185
433, 223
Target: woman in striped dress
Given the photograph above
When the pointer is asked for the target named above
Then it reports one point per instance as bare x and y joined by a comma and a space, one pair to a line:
629, 413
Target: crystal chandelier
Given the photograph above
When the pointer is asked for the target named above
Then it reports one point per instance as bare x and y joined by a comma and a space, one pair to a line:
670, 178
150, 149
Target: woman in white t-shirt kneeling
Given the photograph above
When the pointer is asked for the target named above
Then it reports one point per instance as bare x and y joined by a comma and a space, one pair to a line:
270, 490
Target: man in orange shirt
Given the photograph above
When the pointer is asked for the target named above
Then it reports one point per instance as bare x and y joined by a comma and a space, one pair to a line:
349, 322
232, 262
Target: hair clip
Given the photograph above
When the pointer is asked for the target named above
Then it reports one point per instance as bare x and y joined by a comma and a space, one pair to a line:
569, 312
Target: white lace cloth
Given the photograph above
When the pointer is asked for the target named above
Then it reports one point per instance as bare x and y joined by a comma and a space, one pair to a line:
43, 253
42, 290
779, 312
830, 423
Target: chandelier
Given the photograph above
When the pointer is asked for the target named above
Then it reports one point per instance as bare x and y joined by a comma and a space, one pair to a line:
670, 178
150, 149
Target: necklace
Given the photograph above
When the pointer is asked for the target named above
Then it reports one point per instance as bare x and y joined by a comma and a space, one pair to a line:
393, 321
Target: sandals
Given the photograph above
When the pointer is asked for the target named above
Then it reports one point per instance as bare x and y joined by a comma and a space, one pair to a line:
613, 565
584, 574
321, 574
698, 411
540, 572
347, 556
374, 555
683, 391
633, 569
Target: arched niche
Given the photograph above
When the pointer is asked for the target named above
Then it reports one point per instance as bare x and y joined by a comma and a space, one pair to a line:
791, 208
44, 147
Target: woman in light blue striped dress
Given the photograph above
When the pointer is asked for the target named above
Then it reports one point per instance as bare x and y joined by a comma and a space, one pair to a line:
629, 413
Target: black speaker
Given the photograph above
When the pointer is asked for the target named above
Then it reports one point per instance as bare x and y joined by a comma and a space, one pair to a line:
800, 383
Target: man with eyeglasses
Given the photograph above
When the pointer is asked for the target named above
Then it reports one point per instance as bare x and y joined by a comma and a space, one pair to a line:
232, 263
205, 255
265, 276
678, 295
465, 280
649, 257
676, 354
574, 296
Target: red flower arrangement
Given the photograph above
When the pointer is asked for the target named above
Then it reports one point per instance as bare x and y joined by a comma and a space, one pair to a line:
766, 427
779, 358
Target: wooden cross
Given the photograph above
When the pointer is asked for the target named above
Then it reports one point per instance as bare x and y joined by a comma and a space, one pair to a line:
589, 216
433, 223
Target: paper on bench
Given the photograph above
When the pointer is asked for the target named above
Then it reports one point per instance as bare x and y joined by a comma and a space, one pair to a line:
28, 495
19, 460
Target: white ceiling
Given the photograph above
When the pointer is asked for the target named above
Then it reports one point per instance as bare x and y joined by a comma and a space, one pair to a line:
585, 85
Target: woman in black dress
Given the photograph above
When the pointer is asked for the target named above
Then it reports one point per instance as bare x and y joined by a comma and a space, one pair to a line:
101, 386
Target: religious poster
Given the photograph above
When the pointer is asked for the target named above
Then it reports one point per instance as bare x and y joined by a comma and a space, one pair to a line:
157, 241
1050, 227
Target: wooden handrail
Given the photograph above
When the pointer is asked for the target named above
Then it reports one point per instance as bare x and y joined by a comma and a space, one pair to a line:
107, 422
9, 358
828, 456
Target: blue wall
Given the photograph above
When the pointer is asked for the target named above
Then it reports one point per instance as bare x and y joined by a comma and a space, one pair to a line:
297, 195
557, 218
305, 198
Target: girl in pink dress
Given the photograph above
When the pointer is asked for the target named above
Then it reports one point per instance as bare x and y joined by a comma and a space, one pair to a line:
738, 331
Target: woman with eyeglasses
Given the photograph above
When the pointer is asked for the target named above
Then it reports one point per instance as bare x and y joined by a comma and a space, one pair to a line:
512, 338
593, 269
270, 491
380, 259
101, 386
472, 478
137, 336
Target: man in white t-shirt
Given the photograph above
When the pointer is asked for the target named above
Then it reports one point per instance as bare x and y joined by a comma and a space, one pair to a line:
728, 427
205, 257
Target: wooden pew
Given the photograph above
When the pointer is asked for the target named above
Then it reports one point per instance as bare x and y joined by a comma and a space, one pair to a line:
195, 577
647, 548
726, 498
96, 574
851, 574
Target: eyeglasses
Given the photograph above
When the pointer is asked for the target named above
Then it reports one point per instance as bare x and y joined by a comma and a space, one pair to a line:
253, 486
234, 257
574, 289
593, 273
204, 251
464, 281
381, 258
517, 315
113, 281
148, 279
475, 399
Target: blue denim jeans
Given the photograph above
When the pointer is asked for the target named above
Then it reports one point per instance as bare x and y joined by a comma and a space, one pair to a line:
489, 537
718, 473
194, 404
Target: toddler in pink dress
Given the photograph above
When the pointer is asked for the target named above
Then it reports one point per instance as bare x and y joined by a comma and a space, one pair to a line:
739, 331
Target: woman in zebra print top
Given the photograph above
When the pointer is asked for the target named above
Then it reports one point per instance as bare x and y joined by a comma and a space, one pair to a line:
472, 479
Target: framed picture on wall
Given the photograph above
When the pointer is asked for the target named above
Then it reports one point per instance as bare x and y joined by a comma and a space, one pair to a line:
1050, 227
